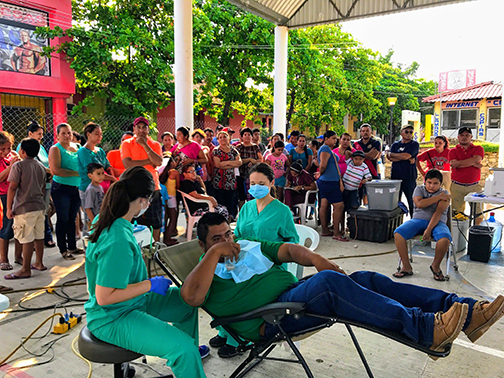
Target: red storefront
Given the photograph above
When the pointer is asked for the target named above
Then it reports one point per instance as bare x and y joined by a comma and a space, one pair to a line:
32, 87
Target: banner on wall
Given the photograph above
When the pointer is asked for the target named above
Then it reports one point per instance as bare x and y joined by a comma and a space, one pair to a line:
456, 80
20, 46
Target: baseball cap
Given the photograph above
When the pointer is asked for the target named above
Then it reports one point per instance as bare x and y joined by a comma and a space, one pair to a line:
141, 119
228, 130
407, 127
358, 153
464, 129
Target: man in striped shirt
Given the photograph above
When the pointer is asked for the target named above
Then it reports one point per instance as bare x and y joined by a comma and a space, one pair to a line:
356, 174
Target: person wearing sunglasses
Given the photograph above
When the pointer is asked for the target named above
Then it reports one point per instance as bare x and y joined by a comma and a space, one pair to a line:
403, 155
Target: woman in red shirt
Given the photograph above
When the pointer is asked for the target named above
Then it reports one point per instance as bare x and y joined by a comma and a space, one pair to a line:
437, 158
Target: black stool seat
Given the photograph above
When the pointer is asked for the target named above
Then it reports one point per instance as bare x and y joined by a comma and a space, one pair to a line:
96, 350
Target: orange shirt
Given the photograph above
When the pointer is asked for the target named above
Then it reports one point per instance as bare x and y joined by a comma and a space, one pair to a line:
114, 158
130, 148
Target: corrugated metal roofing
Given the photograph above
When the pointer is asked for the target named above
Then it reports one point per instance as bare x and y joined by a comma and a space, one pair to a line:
303, 13
475, 92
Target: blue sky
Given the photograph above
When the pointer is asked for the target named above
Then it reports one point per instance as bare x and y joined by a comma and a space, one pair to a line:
445, 38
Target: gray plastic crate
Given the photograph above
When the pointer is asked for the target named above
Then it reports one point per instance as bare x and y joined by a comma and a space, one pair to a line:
383, 194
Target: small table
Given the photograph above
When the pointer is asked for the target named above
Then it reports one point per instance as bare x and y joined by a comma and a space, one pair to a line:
475, 198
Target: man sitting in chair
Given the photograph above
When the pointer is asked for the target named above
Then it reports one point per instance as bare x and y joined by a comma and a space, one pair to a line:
429, 220
429, 317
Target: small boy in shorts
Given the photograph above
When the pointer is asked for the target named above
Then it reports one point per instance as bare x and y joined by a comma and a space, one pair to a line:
93, 197
26, 204
357, 173
429, 218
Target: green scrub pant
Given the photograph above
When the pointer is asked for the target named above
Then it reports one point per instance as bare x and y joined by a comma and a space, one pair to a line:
146, 331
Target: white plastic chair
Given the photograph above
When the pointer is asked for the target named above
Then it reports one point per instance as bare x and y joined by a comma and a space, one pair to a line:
303, 207
4, 302
305, 233
191, 220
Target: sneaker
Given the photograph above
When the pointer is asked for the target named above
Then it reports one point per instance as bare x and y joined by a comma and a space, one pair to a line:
448, 325
227, 351
204, 351
484, 315
217, 341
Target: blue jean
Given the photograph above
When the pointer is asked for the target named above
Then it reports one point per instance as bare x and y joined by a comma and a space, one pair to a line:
415, 227
66, 202
47, 230
369, 298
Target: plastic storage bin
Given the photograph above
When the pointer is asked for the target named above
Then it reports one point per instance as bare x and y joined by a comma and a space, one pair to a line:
459, 234
374, 225
383, 194
480, 243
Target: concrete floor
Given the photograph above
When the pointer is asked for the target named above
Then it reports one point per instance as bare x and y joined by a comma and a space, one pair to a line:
330, 353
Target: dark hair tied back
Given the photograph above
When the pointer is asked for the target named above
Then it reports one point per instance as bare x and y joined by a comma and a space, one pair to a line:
33, 127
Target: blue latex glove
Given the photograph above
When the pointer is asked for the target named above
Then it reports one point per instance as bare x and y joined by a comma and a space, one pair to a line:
159, 285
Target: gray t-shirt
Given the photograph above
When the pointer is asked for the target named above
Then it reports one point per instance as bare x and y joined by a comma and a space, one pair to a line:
30, 175
426, 213
93, 198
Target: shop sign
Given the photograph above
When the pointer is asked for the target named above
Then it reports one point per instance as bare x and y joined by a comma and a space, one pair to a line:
436, 124
463, 104
481, 125
495, 102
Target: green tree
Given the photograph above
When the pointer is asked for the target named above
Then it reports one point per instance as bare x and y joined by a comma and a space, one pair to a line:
121, 51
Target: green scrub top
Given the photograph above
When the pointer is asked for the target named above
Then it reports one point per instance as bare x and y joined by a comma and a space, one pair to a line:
86, 156
275, 223
115, 261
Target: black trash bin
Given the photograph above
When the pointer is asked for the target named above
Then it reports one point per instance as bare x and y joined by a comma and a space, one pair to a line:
480, 243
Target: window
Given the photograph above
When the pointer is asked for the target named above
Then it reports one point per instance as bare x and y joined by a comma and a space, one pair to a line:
494, 116
453, 119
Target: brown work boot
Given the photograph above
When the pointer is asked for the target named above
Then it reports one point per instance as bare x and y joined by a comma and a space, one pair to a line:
484, 315
448, 325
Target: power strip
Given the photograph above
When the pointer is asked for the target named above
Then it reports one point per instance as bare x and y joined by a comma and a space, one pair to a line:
66, 322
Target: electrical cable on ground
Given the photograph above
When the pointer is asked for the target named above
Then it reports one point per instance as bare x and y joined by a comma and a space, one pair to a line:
90, 367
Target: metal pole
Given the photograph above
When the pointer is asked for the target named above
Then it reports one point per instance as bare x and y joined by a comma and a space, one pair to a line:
501, 136
391, 129
183, 69
280, 88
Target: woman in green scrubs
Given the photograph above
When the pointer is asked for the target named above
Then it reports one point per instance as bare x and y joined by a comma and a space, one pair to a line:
124, 307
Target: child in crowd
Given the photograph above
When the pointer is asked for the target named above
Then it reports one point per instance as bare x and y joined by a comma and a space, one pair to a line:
93, 197
357, 173
280, 163
7, 159
26, 204
170, 180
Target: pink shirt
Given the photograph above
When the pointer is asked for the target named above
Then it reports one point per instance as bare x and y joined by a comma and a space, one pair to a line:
278, 164
342, 161
4, 163
191, 150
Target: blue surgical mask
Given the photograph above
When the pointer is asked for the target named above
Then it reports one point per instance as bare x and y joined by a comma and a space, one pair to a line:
259, 191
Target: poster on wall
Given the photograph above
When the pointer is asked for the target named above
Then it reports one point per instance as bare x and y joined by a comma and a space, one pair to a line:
20, 46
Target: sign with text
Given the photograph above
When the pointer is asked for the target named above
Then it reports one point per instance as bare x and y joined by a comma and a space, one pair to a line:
20, 46
461, 104
456, 80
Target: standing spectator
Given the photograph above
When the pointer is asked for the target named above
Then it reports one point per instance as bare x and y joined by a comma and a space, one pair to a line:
344, 151
167, 141
301, 152
256, 138
280, 164
208, 148
114, 156
215, 142
170, 178
293, 140
298, 183
403, 155
371, 148
64, 165
91, 153
93, 196
7, 160
26, 204
250, 155
198, 136
275, 138
437, 158
465, 161
226, 160
356, 173
35, 131
314, 146
330, 186
186, 151
142, 151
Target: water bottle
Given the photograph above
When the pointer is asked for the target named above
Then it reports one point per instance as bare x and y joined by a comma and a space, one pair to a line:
497, 227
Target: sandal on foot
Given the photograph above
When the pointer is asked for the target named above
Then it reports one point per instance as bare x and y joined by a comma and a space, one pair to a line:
12, 276
438, 276
340, 238
67, 256
33, 267
50, 244
5, 266
5, 289
78, 251
402, 274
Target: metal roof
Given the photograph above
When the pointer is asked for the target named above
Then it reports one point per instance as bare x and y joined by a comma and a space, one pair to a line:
475, 92
304, 13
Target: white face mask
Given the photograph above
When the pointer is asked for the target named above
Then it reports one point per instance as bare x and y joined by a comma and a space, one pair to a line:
142, 211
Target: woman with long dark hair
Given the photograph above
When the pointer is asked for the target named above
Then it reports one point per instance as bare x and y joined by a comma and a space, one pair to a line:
437, 158
301, 152
186, 151
125, 308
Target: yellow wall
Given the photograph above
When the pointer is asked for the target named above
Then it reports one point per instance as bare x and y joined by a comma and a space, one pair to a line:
481, 122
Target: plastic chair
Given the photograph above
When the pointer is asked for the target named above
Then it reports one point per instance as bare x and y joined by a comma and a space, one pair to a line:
191, 220
4, 302
307, 233
303, 207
